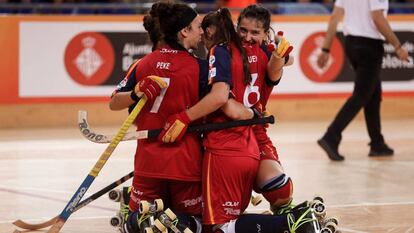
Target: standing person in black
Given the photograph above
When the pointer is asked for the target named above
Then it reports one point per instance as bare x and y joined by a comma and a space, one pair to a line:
365, 26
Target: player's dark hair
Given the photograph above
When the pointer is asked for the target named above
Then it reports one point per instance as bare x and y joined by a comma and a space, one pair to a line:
172, 18
152, 26
258, 13
226, 33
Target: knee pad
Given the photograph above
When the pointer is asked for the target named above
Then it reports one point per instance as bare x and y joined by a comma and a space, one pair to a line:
278, 190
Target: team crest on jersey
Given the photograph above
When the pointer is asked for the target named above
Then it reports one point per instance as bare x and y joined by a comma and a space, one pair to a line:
122, 83
211, 60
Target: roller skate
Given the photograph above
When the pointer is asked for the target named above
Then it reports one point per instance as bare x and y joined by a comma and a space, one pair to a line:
303, 220
121, 196
317, 204
328, 225
166, 220
146, 207
284, 209
143, 219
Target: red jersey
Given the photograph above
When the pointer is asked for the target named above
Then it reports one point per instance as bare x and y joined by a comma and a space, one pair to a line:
258, 67
258, 59
239, 141
184, 76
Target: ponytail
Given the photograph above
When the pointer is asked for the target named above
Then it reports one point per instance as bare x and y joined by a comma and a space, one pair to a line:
152, 26
230, 35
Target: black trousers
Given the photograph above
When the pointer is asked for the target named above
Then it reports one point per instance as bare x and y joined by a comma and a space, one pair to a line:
365, 55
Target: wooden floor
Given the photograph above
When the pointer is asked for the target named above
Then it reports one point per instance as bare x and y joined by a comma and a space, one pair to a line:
40, 169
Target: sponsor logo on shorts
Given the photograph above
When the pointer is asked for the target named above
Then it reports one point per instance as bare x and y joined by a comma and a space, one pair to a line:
135, 195
231, 211
231, 208
192, 202
231, 203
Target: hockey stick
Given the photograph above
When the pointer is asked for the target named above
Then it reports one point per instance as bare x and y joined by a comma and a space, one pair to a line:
92, 136
69, 208
95, 137
28, 226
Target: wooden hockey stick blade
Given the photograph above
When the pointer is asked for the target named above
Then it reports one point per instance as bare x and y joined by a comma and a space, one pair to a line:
89, 134
93, 136
27, 226
24, 225
87, 182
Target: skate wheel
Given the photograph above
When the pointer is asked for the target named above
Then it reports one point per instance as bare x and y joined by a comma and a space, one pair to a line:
318, 198
144, 207
332, 226
319, 208
256, 200
158, 224
116, 221
159, 204
333, 220
326, 230
114, 195
187, 230
170, 214
148, 230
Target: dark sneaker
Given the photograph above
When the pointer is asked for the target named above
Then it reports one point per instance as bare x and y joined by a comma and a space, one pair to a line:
303, 220
383, 150
331, 150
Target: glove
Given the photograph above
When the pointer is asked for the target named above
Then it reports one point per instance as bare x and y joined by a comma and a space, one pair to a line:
283, 47
151, 86
175, 128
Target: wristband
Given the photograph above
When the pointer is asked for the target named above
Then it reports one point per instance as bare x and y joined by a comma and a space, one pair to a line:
326, 50
134, 96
